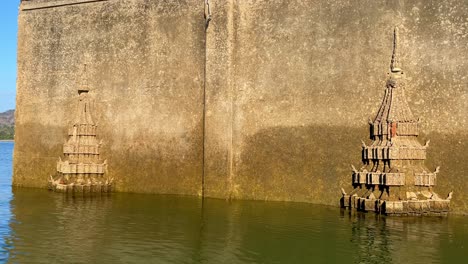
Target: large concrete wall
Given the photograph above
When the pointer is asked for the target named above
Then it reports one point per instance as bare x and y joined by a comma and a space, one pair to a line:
291, 85
146, 68
289, 88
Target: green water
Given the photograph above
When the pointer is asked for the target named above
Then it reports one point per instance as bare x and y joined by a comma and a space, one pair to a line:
38, 226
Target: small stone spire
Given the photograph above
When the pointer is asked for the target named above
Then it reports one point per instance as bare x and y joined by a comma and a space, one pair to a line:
82, 170
84, 116
395, 64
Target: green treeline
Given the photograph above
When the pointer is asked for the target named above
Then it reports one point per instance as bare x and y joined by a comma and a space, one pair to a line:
7, 132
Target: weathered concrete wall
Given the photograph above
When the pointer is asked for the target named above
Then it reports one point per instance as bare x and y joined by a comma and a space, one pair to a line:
289, 87
146, 68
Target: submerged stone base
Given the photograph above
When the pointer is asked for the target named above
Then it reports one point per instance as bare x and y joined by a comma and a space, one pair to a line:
397, 208
80, 188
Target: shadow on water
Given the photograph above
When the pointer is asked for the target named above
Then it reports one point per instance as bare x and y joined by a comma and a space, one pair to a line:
38, 226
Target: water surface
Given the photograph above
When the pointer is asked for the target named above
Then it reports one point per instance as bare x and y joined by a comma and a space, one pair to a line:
38, 226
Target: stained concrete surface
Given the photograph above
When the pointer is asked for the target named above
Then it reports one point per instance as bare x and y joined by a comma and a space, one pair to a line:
289, 87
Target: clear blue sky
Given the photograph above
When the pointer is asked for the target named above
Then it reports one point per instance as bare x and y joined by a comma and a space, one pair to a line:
8, 30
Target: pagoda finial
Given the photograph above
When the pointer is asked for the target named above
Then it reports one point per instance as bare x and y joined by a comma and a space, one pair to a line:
395, 65
84, 88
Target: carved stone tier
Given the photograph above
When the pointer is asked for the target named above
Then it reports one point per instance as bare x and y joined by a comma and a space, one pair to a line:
83, 130
425, 179
65, 167
394, 179
378, 178
393, 153
398, 128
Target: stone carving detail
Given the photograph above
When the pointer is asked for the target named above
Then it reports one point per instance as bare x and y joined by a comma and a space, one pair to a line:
394, 179
82, 170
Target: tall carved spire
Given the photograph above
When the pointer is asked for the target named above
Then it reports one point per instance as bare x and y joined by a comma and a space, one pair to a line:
395, 64
394, 179
394, 109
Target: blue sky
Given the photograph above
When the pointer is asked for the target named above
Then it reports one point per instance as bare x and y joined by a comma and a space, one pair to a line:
8, 30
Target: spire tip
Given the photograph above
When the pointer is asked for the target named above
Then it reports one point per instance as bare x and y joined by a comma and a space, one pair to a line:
394, 66
84, 83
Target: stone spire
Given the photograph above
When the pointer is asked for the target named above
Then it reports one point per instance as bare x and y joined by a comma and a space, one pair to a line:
394, 178
84, 88
394, 109
84, 115
82, 170
395, 65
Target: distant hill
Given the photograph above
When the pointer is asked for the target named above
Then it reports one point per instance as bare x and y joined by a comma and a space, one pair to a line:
7, 118
7, 125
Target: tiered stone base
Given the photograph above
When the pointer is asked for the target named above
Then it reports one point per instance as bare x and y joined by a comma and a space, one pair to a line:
80, 188
397, 208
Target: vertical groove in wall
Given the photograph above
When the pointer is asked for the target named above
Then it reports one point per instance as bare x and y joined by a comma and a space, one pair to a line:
207, 16
204, 110
230, 28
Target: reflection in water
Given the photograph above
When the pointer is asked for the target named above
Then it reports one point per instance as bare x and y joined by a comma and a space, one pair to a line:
37, 226
371, 239
129, 228
404, 239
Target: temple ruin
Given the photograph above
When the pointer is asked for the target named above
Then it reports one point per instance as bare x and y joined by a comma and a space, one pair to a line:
394, 179
82, 170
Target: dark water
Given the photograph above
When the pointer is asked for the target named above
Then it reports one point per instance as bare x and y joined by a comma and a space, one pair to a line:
37, 226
